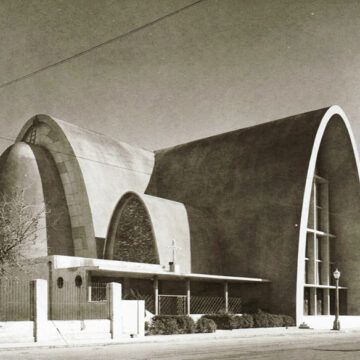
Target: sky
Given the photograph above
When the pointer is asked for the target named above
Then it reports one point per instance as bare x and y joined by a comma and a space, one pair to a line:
213, 67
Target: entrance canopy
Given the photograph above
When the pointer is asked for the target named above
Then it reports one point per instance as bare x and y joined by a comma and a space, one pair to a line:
111, 268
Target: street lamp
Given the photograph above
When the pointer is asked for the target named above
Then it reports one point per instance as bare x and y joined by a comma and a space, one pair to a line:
336, 321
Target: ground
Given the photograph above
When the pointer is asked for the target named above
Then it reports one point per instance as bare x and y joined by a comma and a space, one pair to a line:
304, 346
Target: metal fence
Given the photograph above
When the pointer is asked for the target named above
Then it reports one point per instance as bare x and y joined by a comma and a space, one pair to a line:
172, 304
149, 303
71, 302
206, 304
235, 305
15, 300
213, 304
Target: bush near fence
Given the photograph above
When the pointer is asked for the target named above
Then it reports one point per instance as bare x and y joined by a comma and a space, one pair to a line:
204, 325
222, 321
260, 319
171, 324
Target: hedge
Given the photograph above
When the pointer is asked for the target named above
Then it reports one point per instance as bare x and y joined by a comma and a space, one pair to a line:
263, 319
222, 321
171, 324
205, 325
183, 324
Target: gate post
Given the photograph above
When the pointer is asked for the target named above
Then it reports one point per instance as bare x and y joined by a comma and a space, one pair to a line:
39, 291
156, 294
226, 295
113, 295
188, 294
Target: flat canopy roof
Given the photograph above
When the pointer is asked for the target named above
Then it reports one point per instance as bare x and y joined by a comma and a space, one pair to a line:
169, 275
114, 268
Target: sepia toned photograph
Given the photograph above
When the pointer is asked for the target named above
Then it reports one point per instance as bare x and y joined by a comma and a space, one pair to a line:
179, 179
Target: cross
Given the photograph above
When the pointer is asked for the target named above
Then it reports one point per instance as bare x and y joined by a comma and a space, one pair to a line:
174, 248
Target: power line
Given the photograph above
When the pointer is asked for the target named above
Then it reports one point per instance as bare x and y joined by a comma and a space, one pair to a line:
81, 157
119, 37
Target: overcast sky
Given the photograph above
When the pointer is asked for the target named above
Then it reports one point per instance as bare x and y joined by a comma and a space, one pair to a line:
213, 67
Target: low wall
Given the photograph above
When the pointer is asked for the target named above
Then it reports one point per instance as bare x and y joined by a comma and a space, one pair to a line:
124, 318
326, 322
16, 332
73, 330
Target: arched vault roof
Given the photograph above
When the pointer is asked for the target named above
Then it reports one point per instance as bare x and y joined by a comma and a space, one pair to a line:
95, 170
254, 183
169, 222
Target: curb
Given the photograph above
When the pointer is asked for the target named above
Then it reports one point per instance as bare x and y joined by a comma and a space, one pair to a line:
240, 334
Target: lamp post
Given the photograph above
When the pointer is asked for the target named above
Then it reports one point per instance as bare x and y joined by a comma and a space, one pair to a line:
336, 321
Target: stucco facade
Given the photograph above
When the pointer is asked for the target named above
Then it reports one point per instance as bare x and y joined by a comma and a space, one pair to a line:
236, 204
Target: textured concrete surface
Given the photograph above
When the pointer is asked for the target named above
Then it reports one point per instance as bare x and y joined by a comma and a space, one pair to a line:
95, 171
251, 184
168, 220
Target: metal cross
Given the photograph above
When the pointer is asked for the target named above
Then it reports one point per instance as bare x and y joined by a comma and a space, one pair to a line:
174, 248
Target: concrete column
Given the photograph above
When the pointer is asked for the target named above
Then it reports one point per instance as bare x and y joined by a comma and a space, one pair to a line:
113, 295
226, 295
141, 318
156, 295
39, 292
188, 296
313, 301
326, 302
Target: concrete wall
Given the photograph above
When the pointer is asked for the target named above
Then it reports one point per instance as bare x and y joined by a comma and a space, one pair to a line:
252, 183
168, 221
338, 164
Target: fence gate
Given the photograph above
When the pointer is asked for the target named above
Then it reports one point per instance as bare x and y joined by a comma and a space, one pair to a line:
172, 304
71, 302
15, 300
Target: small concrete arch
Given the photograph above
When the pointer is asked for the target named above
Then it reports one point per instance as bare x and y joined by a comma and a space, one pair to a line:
115, 223
168, 221
334, 134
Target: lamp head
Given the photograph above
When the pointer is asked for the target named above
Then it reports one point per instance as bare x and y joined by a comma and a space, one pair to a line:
337, 274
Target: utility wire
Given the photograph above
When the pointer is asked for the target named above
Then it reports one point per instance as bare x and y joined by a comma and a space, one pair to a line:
119, 37
81, 157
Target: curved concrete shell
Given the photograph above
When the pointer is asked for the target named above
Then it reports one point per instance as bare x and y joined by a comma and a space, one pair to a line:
334, 154
95, 171
254, 183
168, 221
31, 168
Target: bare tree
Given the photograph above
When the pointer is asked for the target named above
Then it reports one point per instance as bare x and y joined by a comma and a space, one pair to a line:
20, 223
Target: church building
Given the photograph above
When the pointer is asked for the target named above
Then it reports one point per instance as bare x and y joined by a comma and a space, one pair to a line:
263, 214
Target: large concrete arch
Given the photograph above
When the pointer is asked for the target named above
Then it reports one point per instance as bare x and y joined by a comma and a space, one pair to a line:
168, 221
95, 171
254, 183
45, 131
346, 157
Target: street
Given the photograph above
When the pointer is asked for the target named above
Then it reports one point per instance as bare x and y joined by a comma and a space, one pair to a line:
331, 345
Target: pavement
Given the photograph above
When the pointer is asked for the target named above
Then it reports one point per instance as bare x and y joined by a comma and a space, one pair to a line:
290, 332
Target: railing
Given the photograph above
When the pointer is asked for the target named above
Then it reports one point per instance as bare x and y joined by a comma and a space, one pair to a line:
172, 304
206, 304
149, 303
235, 305
15, 300
70, 302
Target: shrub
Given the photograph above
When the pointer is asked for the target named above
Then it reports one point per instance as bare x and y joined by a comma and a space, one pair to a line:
245, 321
186, 324
223, 321
205, 325
171, 324
263, 319
288, 320
146, 325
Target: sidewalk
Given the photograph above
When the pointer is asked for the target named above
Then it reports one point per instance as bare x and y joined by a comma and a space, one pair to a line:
219, 334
